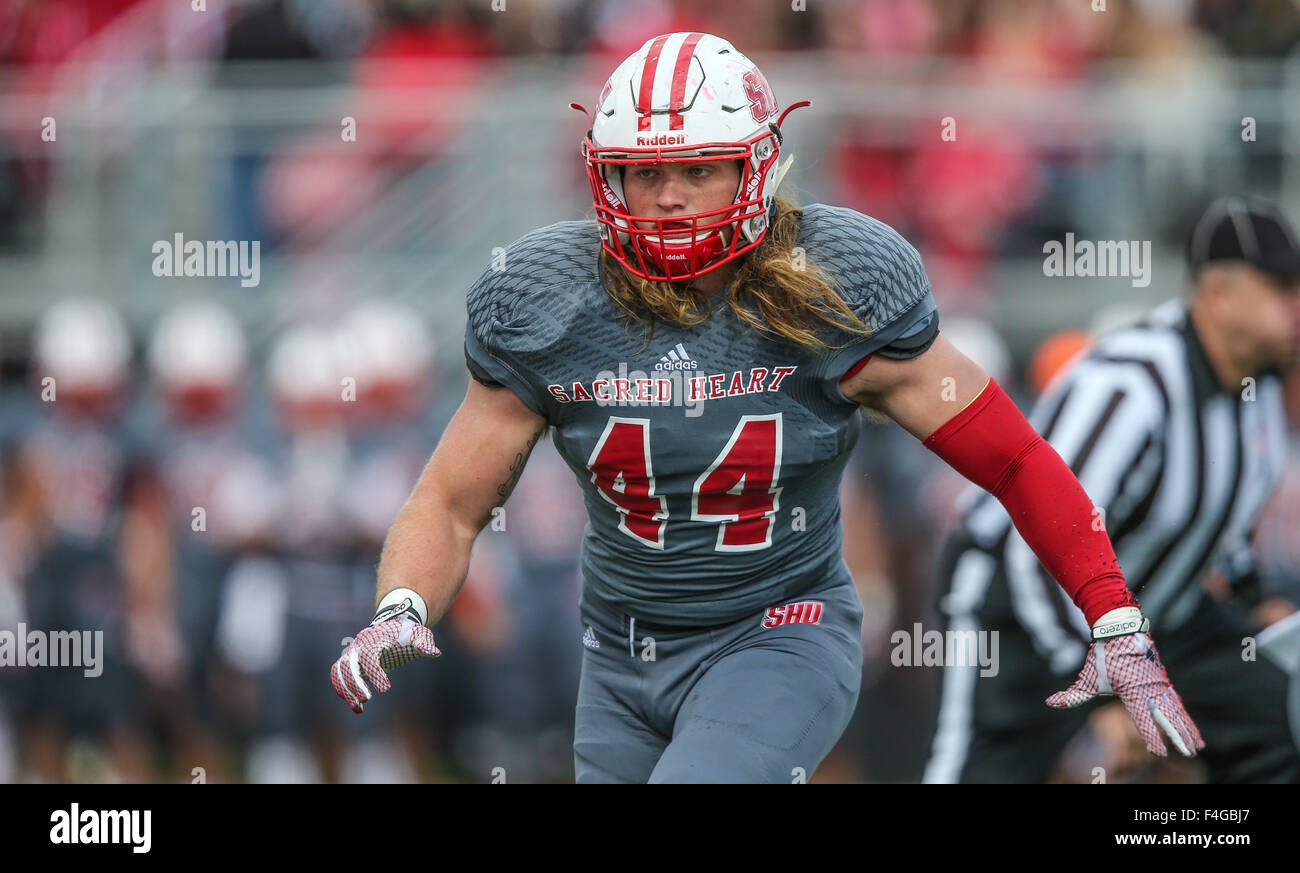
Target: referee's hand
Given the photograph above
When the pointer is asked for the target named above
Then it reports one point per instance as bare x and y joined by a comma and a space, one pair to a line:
1123, 661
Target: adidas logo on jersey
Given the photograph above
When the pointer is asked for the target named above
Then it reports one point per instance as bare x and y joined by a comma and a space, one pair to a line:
677, 359
589, 639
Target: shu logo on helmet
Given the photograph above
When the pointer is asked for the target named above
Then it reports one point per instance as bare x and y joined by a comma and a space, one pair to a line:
762, 103
661, 139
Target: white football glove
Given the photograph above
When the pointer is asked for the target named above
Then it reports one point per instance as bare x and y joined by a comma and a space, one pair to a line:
1123, 661
396, 636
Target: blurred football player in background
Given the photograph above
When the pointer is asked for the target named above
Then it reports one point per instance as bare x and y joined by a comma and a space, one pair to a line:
317, 541
89, 495
219, 505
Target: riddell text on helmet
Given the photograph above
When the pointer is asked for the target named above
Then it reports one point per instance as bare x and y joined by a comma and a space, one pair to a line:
662, 139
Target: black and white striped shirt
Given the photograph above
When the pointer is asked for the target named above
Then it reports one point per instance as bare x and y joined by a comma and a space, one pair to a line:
1179, 465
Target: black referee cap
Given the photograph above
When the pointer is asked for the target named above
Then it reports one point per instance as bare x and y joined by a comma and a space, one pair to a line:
1241, 228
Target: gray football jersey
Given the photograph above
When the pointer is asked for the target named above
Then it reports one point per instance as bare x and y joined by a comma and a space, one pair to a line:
710, 460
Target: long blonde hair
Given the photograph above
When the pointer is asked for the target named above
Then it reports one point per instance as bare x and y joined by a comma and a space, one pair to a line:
770, 291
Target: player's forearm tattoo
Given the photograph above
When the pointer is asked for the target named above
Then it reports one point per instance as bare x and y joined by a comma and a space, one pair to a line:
517, 467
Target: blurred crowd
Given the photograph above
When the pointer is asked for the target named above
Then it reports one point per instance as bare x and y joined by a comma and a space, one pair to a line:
997, 192
47, 31
213, 493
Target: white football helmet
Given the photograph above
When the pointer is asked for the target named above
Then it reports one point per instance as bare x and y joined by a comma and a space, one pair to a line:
198, 355
305, 371
84, 344
683, 98
391, 354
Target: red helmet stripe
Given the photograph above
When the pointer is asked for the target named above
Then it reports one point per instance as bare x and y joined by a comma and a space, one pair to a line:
644, 100
683, 66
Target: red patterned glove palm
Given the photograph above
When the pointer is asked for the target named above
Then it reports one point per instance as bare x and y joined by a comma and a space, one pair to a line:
1123, 661
377, 651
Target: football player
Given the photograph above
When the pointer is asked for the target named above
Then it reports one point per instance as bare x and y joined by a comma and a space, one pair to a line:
216, 481
90, 501
301, 736
701, 352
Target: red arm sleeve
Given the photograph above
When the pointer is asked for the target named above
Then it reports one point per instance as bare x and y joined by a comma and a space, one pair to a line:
991, 444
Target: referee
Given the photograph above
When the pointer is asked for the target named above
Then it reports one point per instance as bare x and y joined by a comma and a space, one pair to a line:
1175, 428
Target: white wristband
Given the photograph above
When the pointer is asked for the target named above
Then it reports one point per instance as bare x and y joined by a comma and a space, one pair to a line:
401, 600
1118, 622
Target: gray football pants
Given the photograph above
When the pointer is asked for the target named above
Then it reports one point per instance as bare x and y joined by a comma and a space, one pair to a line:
740, 702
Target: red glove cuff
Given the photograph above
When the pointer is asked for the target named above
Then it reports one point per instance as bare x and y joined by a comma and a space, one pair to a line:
991, 444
